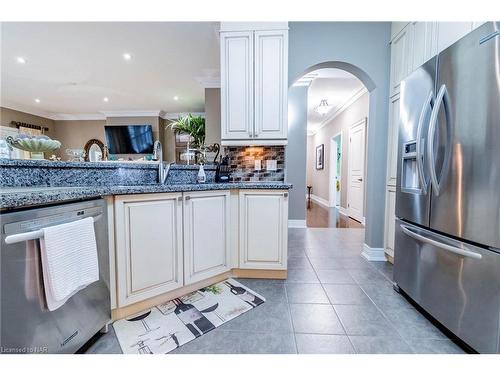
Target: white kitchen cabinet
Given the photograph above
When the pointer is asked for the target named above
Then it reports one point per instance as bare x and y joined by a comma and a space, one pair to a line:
449, 32
148, 245
254, 84
390, 220
271, 84
424, 43
236, 59
392, 143
263, 229
206, 234
400, 58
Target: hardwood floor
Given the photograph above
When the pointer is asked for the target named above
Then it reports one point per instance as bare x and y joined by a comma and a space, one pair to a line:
319, 216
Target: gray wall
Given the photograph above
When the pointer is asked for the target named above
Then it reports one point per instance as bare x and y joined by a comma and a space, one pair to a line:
295, 154
362, 48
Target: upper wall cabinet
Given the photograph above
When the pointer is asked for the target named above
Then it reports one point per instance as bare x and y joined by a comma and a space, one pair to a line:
449, 32
423, 43
400, 58
254, 76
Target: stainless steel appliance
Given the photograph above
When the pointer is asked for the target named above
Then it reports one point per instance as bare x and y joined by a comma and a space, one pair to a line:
26, 326
447, 245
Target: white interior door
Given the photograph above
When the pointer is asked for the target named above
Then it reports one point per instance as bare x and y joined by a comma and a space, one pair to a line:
334, 175
356, 191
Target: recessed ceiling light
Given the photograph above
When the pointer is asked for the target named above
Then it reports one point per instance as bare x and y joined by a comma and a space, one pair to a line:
21, 60
37, 100
176, 98
127, 56
105, 99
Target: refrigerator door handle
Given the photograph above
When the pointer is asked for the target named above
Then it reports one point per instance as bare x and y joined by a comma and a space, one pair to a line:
420, 162
442, 97
453, 249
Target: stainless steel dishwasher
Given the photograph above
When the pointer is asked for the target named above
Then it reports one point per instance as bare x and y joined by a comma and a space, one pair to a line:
26, 325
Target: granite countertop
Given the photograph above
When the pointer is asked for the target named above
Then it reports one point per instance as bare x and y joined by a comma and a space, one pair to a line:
20, 197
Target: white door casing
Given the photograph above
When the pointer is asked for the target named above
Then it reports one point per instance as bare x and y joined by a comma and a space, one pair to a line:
356, 166
206, 234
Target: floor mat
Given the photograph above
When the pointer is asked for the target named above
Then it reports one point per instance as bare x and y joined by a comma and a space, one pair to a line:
167, 326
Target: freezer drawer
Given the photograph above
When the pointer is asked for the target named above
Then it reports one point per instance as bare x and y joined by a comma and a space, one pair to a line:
458, 284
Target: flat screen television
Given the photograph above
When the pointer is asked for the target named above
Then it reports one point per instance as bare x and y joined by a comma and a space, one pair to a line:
129, 139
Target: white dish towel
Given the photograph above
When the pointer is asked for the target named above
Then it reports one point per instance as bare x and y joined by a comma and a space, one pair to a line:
69, 260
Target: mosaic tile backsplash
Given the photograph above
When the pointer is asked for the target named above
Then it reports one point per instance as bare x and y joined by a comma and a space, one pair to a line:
242, 162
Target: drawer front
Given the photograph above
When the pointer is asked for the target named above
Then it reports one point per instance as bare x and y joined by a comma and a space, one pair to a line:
461, 291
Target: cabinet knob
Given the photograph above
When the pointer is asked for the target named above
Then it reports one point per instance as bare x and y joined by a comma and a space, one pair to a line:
179, 199
285, 195
187, 198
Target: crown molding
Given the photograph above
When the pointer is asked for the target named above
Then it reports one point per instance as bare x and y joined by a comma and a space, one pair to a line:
176, 115
153, 113
341, 109
78, 116
209, 83
27, 109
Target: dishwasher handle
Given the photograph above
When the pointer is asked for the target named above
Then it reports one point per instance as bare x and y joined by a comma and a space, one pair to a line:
453, 249
33, 235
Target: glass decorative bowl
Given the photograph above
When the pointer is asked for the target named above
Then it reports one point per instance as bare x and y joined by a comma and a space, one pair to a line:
33, 143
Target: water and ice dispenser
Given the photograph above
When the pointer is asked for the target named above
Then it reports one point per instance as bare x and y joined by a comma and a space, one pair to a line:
409, 175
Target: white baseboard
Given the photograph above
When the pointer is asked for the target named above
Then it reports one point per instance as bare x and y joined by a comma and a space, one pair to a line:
373, 254
320, 201
297, 224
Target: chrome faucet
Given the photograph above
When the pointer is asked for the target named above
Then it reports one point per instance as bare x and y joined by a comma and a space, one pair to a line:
162, 168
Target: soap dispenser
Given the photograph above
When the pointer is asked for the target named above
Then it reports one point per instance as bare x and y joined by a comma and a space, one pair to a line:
202, 177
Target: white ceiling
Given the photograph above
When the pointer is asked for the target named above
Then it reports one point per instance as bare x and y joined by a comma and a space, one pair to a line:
71, 67
337, 86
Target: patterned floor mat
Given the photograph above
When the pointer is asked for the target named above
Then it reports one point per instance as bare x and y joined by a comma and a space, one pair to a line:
167, 326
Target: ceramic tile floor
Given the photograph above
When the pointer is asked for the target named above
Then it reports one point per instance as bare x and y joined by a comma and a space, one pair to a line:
333, 301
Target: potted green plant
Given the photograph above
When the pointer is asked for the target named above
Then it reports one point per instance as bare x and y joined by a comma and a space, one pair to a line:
192, 125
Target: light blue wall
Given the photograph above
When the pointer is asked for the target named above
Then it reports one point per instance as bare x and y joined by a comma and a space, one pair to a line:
364, 45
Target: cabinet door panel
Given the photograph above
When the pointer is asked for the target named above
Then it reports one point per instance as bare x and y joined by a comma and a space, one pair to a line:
237, 85
390, 221
206, 235
149, 247
392, 155
263, 230
424, 45
271, 86
450, 32
400, 53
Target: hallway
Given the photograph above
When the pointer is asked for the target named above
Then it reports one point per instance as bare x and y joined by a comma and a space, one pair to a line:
319, 216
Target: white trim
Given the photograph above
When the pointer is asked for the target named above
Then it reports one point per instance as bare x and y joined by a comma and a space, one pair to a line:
153, 113
320, 201
176, 115
344, 106
209, 82
252, 26
332, 199
373, 254
254, 142
296, 223
78, 116
27, 109
343, 211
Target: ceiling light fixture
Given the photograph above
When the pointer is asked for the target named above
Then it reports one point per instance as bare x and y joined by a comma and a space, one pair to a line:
323, 107
105, 99
21, 60
127, 56
176, 98
37, 100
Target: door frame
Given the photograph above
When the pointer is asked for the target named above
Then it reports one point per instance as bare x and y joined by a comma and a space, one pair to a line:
364, 122
332, 192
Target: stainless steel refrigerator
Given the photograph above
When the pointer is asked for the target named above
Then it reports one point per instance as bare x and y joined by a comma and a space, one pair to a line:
447, 245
